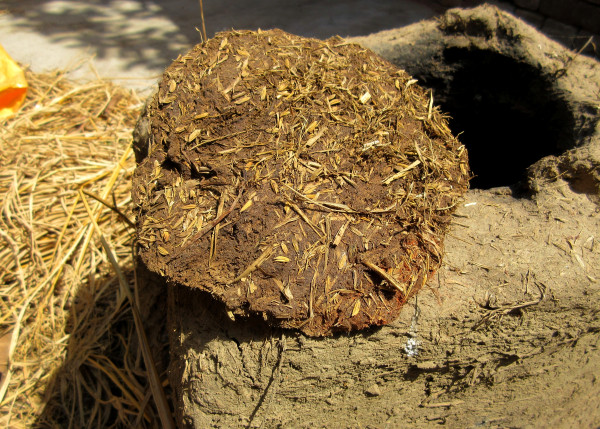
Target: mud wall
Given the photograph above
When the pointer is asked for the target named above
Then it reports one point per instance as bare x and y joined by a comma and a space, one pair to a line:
571, 23
513, 313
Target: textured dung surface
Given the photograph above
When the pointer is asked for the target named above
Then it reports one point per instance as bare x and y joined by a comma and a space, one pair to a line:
305, 181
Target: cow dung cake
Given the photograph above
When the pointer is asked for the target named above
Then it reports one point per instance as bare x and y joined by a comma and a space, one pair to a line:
307, 182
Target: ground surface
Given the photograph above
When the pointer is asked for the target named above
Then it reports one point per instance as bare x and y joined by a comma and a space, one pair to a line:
133, 41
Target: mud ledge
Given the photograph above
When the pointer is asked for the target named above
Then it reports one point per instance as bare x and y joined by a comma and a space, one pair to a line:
507, 333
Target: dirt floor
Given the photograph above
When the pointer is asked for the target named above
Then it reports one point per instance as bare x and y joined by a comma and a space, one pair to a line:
131, 42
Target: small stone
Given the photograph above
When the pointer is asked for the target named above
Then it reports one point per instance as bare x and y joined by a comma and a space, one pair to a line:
373, 390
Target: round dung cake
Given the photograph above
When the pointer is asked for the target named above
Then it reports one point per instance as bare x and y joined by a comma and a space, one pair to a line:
309, 182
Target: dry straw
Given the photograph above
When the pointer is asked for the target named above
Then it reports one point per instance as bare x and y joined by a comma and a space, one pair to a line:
66, 265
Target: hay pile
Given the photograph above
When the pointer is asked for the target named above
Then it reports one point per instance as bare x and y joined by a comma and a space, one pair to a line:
62, 305
307, 182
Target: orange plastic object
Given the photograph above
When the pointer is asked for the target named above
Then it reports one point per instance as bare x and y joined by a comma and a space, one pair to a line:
13, 86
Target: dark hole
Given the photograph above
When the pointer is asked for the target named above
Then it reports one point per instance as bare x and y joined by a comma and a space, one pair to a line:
508, 113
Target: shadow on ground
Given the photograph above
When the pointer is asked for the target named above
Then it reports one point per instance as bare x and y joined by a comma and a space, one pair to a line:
151, 33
